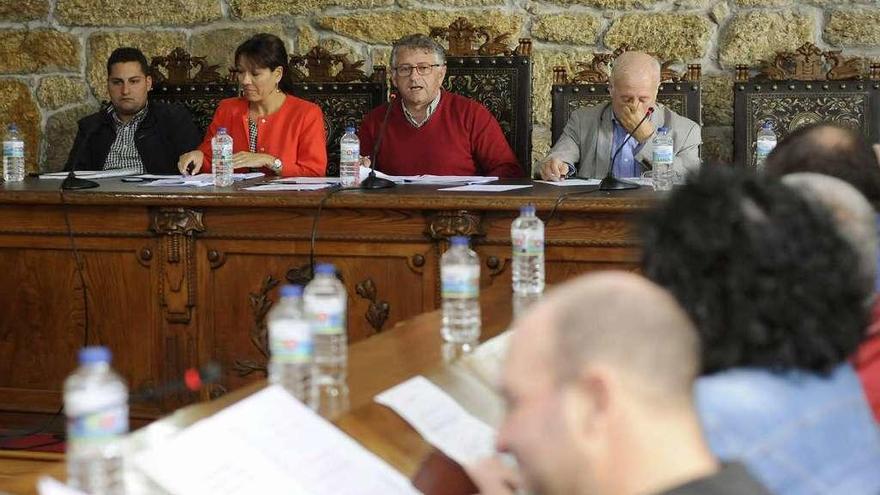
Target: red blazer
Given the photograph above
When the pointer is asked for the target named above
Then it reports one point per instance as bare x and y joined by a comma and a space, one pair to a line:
295, 134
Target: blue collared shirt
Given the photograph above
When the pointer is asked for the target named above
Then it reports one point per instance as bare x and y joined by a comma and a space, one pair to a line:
625, 165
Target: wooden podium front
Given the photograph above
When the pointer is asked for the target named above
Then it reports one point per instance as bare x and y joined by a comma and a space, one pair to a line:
177, 277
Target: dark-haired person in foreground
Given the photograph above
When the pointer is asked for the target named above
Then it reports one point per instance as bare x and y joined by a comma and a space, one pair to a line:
132, 133
780, 306
595, 406
270, 128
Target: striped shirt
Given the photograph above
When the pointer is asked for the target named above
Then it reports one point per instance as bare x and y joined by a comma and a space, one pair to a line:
123, 153
431, 107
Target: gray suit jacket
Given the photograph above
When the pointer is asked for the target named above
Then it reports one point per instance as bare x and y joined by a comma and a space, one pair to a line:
587, 137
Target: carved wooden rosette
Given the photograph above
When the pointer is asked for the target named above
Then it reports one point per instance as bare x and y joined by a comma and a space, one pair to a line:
807, 63
177, 227
445, 224
260, 304
377, 312
319, 65
466, 40
178, 65
598, 70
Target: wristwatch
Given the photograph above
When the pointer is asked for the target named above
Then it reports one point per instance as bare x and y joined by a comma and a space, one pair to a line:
276, 166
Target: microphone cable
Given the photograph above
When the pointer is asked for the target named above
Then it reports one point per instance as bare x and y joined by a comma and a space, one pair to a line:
562, 197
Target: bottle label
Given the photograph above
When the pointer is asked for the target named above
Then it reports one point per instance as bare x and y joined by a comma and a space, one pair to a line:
528, 243
100, 426
765, 147
460, 282
327, 317
663, 154
13, 149
349, 152
290, 341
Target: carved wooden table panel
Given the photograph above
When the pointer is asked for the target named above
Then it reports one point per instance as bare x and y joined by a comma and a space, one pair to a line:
178, 278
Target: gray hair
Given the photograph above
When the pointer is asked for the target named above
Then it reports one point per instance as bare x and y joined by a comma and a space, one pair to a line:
853, 215
417, 42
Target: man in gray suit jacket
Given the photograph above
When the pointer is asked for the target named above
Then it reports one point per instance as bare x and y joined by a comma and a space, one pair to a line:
593, 134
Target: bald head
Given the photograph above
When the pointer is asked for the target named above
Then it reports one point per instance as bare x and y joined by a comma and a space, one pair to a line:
630, 66
853, 215
621, 321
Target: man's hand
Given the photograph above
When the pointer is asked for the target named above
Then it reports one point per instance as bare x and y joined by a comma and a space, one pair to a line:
493, 477
554, 169
630, 118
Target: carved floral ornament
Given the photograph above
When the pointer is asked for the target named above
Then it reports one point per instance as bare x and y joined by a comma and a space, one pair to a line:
466, 40
178, 66
810, 63
598, 70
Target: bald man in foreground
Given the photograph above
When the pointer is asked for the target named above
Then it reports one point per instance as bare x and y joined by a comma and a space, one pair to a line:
593, 134
601, 402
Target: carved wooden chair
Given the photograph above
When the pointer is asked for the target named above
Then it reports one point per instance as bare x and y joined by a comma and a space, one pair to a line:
801, 87
335, 83
589, 86
481, 65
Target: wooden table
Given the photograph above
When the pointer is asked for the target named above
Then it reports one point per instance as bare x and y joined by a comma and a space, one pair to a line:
410, 348
179, 277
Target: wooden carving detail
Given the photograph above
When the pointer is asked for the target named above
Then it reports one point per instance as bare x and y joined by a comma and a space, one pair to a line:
808, 63
177, 227
445, 224
260, 304
178, 65
321, 66
598, 70
300, 275
466, 40
377, 312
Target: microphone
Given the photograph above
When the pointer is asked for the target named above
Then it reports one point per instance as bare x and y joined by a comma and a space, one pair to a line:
373, 182
72, 182
193, 380
611, 183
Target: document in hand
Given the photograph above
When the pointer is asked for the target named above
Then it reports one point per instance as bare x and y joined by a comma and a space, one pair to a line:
268, 443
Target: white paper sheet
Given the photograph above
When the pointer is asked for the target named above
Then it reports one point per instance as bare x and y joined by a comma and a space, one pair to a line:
48, 485
90, 174
429, 179
571, 182
485, 188
200, 180
288, 187
268, 443
440, 420
308, 180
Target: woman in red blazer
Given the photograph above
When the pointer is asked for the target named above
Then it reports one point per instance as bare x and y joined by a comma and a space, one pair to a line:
270, 128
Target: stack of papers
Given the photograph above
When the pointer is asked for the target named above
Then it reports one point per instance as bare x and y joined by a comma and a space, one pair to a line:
429, 179
287, 186
571, 182
485, 188
201, 180
268, 443
91, 174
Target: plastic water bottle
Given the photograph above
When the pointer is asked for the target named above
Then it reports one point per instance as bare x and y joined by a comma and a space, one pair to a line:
13, 155
221, 151
349, 158
290, 346
527, 237
460, 287
96, 404
325, 304
662, 157
766, 141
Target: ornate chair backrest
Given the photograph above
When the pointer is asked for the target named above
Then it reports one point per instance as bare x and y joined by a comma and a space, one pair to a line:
589, 86
481, 66
335, 83
801, 87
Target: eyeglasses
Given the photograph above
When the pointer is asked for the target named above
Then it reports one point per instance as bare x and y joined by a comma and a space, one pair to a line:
422, 69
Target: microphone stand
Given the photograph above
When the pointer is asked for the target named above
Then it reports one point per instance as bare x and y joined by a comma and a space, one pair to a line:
612, 183
72, 182
373, 182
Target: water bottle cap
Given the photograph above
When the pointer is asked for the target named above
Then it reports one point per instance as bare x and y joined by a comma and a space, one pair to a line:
94, 354
527, 209
349, 130
460, 240
13, 127
221, 130
766, 125
325, 269
291, 290
663, 130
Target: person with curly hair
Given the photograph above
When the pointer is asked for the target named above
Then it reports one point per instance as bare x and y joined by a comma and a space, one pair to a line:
776, 294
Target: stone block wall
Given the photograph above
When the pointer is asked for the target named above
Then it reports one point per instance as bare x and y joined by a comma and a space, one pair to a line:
53, 52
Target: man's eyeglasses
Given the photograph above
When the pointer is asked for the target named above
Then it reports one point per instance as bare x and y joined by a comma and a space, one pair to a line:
422, 69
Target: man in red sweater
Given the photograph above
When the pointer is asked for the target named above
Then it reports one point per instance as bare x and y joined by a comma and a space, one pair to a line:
432, 131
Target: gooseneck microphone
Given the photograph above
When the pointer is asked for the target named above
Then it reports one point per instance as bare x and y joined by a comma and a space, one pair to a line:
72, 182
611, 183
373, 182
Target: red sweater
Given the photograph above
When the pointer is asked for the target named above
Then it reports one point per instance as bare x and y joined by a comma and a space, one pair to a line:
867, 362
460, 138
295, 134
